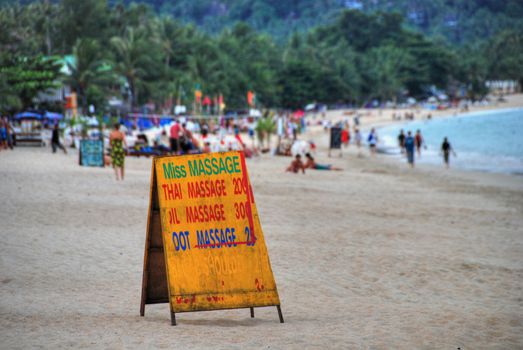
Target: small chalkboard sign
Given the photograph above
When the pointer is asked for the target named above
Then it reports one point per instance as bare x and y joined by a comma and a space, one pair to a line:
92, 153
335, 138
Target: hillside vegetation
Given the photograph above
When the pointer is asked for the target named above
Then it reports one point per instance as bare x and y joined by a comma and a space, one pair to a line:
457, 21
133, 53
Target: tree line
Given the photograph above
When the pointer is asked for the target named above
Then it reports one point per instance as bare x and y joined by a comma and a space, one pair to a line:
132, 53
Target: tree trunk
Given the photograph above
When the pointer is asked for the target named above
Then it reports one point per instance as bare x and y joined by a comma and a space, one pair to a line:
48, 40
47, 33
134, 93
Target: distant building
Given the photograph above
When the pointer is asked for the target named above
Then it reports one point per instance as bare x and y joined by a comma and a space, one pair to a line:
64, 95
503, 86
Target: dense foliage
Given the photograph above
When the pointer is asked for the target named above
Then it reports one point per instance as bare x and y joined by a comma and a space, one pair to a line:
22, 78
132, 53
458, 21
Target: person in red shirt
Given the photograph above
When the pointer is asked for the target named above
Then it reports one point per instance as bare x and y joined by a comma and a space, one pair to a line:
174, 136
345, 136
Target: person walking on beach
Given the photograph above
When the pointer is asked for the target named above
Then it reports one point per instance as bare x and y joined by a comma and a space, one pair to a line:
446, 148
401, 141
419, 141
345, 135
117, 142
357, 139
409, 148
372, 139
55, 140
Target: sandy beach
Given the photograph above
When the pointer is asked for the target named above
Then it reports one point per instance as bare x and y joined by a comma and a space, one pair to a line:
377, 256
384, 116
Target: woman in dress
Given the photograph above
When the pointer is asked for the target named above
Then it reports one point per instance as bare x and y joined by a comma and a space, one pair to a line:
117, 141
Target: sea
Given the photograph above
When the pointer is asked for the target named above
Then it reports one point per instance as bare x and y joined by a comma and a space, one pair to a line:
490, 141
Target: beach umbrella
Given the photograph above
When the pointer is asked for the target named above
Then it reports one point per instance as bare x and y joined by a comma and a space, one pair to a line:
300, 147
310, 107
251, 97
255, 113
53, 116
28, 115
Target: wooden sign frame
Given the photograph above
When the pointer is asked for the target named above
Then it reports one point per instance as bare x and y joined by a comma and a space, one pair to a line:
155, 284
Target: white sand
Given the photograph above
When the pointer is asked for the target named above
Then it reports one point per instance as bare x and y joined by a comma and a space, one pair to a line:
377, 256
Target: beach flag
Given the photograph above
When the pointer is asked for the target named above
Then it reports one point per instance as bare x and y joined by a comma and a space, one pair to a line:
251, 96
197, 93
221, 103
72, 104
198, 96
215, 105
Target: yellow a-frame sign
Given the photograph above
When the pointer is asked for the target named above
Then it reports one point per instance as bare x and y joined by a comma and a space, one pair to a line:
204, 247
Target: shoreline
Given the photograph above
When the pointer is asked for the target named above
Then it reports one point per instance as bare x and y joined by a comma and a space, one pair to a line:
479, 159
514, 103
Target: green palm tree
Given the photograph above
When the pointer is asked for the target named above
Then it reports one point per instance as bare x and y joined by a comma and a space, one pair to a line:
86, 69
265, 127
166, 30
9, 100
131, 60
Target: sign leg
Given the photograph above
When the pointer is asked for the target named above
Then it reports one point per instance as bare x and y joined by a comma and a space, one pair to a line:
280, 313
252, 312
173, 319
